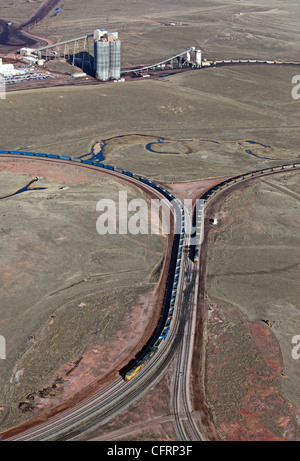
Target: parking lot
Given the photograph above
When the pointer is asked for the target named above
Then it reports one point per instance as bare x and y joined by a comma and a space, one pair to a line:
27, 77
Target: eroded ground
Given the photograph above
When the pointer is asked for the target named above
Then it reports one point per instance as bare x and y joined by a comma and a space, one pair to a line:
218, 111
251, 380
150, 418
68, 295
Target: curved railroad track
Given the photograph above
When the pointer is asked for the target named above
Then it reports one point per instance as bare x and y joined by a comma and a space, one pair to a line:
116, 397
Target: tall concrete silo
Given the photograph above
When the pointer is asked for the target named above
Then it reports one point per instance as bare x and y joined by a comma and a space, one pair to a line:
99, 33
115, 59
198, 58
107, 55
102, 60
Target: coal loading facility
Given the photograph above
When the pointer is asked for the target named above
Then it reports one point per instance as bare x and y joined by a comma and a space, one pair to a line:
107, 55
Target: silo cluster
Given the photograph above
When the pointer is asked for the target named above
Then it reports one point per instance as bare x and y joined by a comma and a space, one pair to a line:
198, 58
107, 55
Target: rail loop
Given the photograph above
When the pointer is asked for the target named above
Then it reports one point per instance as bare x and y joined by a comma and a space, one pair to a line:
172, 302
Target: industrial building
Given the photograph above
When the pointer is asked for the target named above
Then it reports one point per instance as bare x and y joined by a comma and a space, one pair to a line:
107, 55
198, 58
26, 51
8, 70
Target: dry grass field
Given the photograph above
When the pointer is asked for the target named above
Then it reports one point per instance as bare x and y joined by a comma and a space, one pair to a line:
66, 291
222, 28
252, 380
216, 122
225, 105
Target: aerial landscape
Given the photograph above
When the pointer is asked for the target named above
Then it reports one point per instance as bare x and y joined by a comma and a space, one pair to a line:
149, 222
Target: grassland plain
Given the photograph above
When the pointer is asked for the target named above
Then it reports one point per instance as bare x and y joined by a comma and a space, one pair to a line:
253, 274
222, 28
228, 106
66, 291
249, 103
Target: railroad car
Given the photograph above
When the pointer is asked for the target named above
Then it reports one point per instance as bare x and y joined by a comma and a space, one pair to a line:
128, 173
144, 180
131, 374
158, 343
196, 254
148, 355
169, 320
64, 157
165, 332
136, 176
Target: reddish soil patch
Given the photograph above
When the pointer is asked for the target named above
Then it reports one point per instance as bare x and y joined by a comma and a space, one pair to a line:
82, 381
53, 171
78, 379
237, 390
257, 411
192, 189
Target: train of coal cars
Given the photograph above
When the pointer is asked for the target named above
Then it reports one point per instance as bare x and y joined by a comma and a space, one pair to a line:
171, 290
162, 329
195, 249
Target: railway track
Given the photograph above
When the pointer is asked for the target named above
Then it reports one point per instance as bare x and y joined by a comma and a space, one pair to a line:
185, 426
100, 403
116, 397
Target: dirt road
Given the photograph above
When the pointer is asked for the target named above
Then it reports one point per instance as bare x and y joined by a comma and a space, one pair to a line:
15, 36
